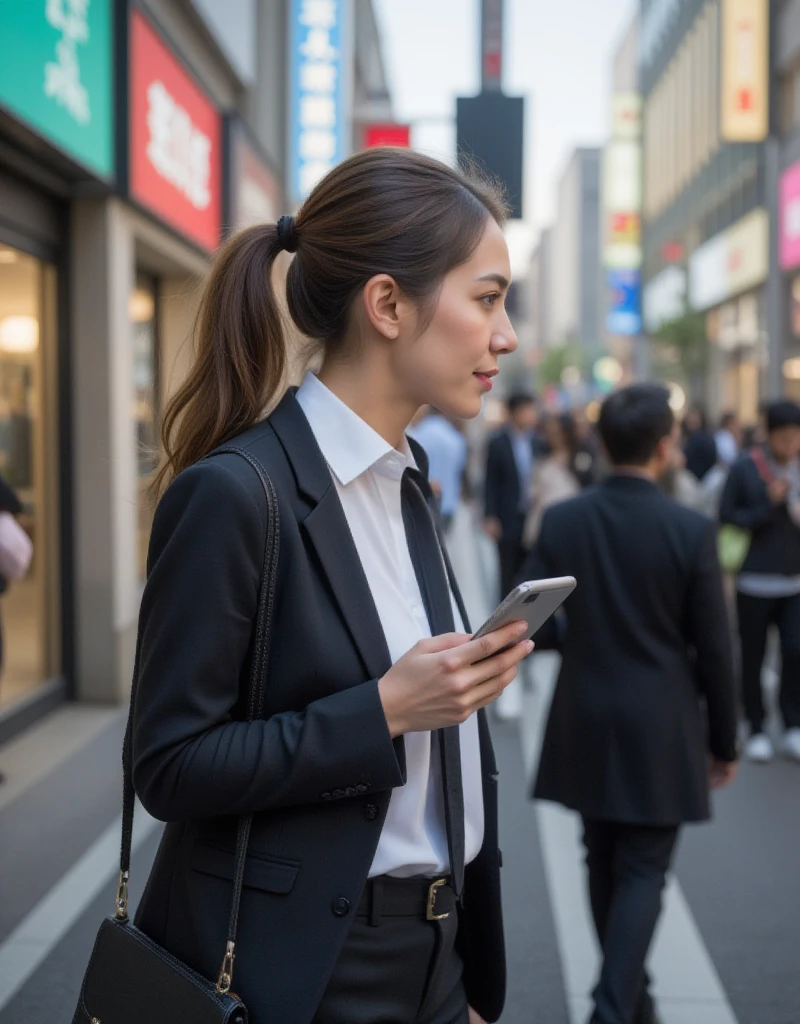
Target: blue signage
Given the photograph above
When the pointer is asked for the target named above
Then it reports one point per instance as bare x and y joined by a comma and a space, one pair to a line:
318, 72
624, 316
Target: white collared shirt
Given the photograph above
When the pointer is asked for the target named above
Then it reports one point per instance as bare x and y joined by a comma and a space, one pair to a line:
367, 472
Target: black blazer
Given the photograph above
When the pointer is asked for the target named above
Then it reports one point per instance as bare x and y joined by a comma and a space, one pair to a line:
775, 544
317, 772
646, 640
502, 484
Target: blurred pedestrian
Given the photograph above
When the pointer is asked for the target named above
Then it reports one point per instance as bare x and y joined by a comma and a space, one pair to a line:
626, 743
373, 809
446, 448
510, 463
728, 439
554, 478
762, 496
587, 462
15, 548
699, 447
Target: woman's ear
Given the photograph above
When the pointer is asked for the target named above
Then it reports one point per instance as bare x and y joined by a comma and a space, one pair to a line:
383, 304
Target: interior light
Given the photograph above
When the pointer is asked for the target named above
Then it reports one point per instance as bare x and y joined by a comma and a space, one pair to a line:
141, 306
791, 369
19, 334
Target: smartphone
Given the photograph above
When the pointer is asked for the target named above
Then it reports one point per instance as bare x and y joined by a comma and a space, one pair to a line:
534, 601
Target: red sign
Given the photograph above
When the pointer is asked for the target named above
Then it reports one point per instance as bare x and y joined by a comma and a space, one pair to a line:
175, 140
387, 135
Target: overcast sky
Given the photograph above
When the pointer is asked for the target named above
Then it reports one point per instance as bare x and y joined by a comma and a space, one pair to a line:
558, 55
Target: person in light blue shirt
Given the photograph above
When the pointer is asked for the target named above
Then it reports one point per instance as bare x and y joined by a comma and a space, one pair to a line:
446, 448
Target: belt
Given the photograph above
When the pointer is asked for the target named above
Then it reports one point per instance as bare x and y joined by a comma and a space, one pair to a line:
431, 899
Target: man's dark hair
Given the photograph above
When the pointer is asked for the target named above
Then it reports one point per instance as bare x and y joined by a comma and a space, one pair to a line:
784, 413
518, 399
633, 421
727, 420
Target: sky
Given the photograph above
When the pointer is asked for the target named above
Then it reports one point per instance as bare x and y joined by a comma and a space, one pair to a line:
558, 55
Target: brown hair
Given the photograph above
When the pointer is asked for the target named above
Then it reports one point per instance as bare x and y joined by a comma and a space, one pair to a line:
389, 211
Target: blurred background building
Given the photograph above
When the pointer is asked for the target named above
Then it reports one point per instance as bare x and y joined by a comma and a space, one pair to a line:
134, 135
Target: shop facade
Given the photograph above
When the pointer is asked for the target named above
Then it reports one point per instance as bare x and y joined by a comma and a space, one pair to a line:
56, 138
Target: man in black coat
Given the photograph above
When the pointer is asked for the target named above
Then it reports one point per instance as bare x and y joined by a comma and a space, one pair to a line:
643, 718
509, 471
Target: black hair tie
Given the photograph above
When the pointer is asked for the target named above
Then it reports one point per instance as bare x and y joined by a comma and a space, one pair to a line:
286, 235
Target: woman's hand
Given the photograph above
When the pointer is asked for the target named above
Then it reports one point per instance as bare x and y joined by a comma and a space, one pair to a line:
442, 680
475, 1018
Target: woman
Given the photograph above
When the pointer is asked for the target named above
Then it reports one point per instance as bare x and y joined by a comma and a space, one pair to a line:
349, 911
554, 478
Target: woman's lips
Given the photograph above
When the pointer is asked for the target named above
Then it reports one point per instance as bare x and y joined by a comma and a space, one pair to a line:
485, 380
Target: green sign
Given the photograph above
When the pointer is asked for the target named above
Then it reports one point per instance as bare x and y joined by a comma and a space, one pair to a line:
55, 73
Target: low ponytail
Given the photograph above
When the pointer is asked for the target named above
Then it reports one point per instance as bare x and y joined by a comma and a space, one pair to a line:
240, 360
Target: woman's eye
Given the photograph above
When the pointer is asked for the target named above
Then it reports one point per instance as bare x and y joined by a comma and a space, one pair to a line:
490, 299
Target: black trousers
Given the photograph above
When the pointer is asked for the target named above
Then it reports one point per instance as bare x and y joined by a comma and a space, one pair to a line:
756, 615
396, 967
627, 867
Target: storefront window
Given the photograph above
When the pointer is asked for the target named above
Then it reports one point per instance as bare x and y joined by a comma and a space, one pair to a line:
29, 608
143, 311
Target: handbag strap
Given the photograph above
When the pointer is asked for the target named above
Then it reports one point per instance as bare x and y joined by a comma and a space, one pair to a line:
757, 455
255, 710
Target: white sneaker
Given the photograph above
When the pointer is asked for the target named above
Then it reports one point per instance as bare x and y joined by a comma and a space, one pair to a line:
791, 744
759, 748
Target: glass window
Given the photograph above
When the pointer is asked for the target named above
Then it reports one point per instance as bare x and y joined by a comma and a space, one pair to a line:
30, 608
143, 312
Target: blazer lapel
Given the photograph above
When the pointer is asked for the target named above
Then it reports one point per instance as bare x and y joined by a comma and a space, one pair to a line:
329, 533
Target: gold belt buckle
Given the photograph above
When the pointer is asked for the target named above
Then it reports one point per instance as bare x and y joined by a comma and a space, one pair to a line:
430, 915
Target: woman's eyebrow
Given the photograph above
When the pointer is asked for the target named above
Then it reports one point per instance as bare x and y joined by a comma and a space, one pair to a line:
499, 280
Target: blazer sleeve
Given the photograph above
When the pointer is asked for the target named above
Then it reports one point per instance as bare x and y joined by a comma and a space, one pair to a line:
709, 635
743, 505
191, 759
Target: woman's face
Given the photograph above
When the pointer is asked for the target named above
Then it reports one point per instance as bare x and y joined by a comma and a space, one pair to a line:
450, 365
554, 434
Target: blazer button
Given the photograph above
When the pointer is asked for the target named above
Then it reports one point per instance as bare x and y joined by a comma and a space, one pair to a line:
338, 794
361, 788
340, 906
350, 791
325, 796
371, 812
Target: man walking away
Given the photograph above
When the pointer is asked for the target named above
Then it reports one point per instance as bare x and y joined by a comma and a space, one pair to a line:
509, 471
762, 495
643, 718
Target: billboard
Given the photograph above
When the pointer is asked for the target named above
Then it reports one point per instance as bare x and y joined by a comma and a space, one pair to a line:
624, 316
790, 218
744, 94
319, 44
175, 140
55, 73
387, 135
730, 262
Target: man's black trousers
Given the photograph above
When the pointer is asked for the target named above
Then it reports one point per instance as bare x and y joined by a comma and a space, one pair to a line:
627, 867
756, 615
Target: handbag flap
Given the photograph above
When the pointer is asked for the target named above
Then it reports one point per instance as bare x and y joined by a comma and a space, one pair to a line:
132, 980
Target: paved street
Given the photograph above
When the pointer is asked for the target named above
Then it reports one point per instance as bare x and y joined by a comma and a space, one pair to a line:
727, 951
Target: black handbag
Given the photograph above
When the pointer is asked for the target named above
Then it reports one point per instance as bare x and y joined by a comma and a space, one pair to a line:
131, 979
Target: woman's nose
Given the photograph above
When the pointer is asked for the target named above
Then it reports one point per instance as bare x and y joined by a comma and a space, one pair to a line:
504, 338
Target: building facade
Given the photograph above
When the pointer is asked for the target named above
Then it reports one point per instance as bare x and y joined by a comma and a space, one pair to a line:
706, 223
573, 300
133, 138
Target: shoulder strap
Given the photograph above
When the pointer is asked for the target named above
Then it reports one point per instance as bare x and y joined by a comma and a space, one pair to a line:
757, 455
255, 710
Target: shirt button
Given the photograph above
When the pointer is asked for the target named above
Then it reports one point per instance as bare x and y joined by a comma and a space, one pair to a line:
340, 906
370, 812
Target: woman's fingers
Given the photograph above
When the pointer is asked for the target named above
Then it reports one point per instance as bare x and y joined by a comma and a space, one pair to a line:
487, 646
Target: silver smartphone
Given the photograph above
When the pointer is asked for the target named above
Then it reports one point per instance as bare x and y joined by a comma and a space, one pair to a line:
534, 601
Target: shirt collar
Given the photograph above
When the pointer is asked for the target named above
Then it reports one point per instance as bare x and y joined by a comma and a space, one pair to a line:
349, 444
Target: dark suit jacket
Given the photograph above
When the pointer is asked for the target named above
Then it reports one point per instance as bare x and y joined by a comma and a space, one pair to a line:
317, 772
502, 484
775, 544
646, 640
